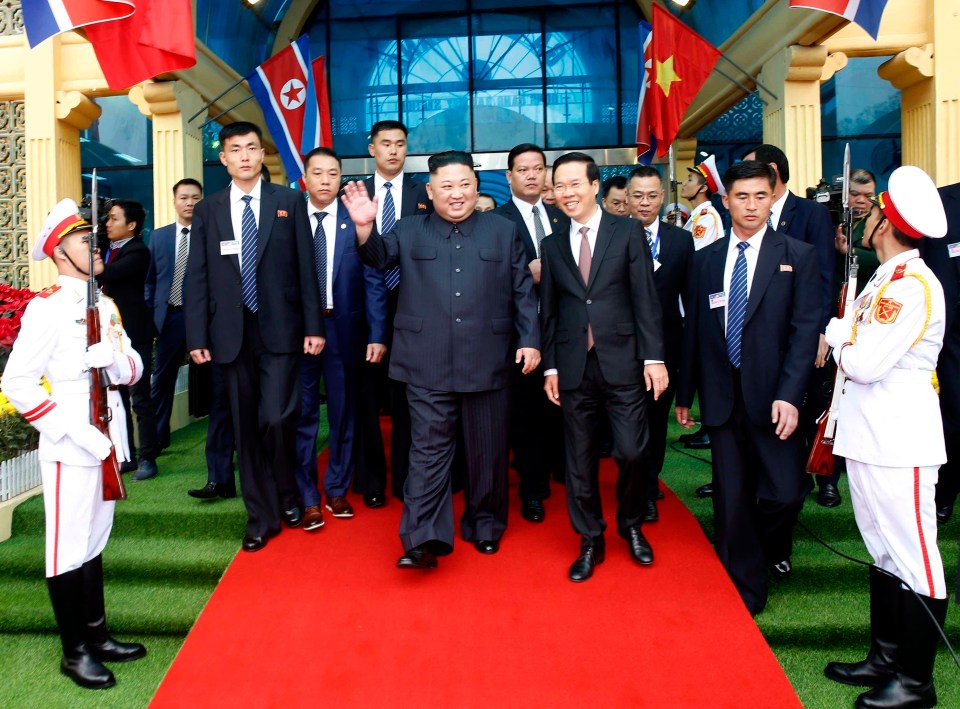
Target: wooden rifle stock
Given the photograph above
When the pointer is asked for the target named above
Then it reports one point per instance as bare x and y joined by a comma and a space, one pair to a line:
100, 414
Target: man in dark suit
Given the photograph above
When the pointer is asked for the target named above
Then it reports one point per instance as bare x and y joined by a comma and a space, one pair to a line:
253, 307
752, 321
603, 348
809, 222
672, 250
354, 302
536, 427
126, 262
943, 258
398, 196
466, 314
169, 249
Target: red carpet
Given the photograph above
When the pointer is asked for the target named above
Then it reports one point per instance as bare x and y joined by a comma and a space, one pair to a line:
325, 619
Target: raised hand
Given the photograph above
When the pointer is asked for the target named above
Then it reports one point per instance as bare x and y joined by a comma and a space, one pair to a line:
363, 210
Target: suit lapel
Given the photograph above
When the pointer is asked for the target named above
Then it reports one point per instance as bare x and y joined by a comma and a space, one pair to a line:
715, 266
529, 244
787, 215
770, 256
604, 236
339, 241
225, 225
409, 205
268, 213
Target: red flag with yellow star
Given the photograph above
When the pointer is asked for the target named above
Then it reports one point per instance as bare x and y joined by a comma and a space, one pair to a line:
682, 61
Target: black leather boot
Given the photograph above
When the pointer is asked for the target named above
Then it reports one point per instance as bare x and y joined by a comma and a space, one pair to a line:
66, 595
880, 663
99, 643
912, 685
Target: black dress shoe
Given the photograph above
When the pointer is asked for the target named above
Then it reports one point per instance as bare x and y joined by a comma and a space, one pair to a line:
640, 548
129, 466
687, 437
582, 568
532, 510
213, 490
374, 500
828, 496
417, 558
782, 569
487, 546
659, 494
944, 513
699, 445
293, 517
705, 490
652, 514
252, 543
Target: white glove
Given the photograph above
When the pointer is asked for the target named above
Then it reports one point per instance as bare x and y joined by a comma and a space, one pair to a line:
88, 437
99, 355
838, 331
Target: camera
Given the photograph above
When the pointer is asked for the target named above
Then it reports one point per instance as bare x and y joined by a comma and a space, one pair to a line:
104, 204
830, 194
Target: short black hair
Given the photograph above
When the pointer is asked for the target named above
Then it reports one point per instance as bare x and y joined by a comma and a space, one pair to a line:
187, 181
132, 212
449, 157
524, 148
490, 197
617, 182
264, 172
746, 170
329, 152
232, 130
863, 176
646, 171
593, 172
771, 154
381, 126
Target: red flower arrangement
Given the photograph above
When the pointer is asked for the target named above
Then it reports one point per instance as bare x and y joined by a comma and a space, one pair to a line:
13, 301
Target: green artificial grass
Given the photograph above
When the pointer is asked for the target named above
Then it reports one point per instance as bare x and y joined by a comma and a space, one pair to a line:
168, 552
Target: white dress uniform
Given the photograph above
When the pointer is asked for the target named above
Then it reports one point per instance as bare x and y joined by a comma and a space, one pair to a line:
52, 342
705, 225
889, 427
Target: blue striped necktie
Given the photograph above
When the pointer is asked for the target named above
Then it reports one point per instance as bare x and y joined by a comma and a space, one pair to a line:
320, 257
737, 305
387, 220
248, 254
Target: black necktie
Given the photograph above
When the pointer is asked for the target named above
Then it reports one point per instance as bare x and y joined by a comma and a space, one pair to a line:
320, 257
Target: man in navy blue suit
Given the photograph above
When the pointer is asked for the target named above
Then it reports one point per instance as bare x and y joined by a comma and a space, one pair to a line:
354, 301
751, 330
169, 248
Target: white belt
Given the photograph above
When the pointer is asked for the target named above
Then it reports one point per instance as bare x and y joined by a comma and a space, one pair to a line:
914, 376
74, 386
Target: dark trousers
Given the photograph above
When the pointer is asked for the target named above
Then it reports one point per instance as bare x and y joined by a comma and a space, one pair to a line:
220, 438
171, 346
264, 392
753, 526
536, 435
658, 414
427, 494
626, 407
137, 400
340, 382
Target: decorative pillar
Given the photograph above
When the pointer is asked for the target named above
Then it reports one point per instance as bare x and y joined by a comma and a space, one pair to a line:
792, 122
54, 120
177, 143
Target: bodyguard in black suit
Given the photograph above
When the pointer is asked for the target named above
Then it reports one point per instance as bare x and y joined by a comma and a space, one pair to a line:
672, 250
751, 329
169, 249
603, 347
126, 262
943, 258
388, 147
536, 427
253, 306
465, 315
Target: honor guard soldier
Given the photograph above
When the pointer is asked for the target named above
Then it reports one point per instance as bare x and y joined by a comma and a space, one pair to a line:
889, 431
53, 342
705, 223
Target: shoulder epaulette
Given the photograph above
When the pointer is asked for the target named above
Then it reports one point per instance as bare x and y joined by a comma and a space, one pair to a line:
898, 272
48, 291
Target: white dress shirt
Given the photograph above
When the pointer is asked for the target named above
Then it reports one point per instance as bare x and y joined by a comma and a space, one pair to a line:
526, 211
776, 209
330, 231
751, 254
396, 190
593, 224
236, 211
176, 242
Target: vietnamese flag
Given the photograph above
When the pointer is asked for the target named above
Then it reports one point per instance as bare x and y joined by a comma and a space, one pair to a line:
155, 39
682, 61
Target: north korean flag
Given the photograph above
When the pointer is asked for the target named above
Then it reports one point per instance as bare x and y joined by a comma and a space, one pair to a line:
281, 86
865, 13
44, 18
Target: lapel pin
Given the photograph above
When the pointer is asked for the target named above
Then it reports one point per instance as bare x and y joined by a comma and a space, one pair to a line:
342, 225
